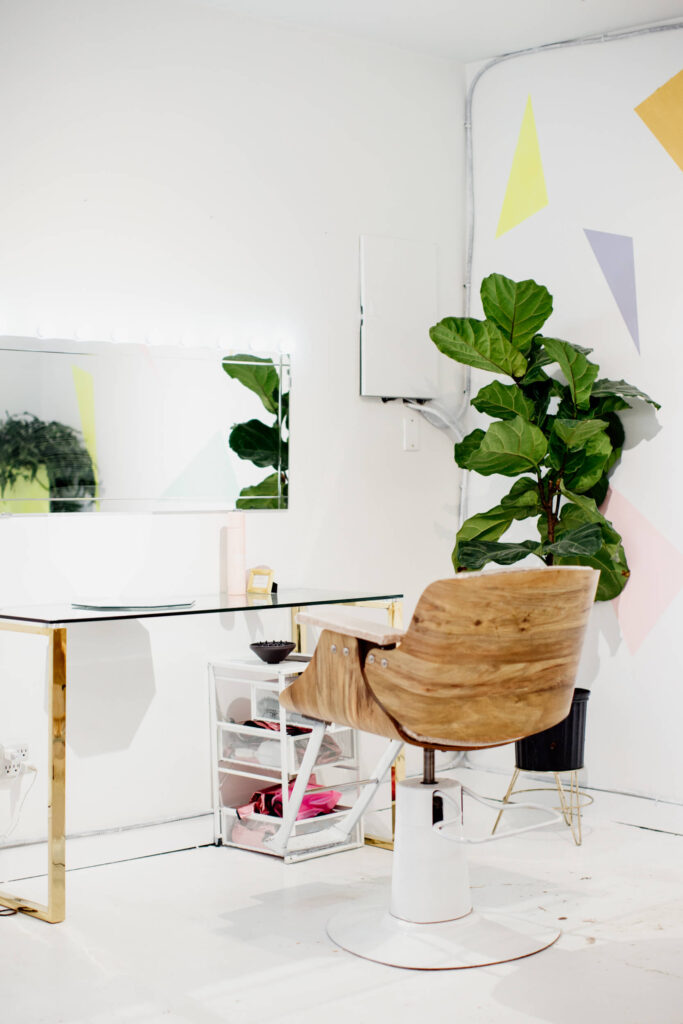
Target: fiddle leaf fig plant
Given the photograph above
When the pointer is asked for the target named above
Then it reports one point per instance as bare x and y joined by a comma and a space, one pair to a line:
264, 444
555, 428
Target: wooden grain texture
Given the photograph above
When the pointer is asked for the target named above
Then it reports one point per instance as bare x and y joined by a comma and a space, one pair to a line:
488, 658
333, 687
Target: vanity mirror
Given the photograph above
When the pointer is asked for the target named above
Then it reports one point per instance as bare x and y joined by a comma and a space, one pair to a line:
135, 428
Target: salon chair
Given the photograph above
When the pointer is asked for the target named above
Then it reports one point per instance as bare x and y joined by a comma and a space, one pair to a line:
487, 659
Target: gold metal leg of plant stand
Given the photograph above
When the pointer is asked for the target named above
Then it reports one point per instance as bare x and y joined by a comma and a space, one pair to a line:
54, 910
570, 801
510, 791
571, 809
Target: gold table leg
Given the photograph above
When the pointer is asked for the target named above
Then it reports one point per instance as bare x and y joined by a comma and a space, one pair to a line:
398, 768
54, 910
298, 632
394, 611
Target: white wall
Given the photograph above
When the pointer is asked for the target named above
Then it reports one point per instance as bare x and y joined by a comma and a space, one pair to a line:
172, 171
605, 171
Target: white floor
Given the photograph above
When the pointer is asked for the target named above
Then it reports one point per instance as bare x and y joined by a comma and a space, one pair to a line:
216, 934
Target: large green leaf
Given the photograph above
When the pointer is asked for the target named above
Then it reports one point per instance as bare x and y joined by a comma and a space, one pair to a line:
523, 499
265, 494
258, 443
605, 404
598, 492
604, 388
615, 433
540, 394
579, 372
581, 508
463, 450
478, 343
518, 308
483, 526
614, 572
537, 359
575, 433
486, 525
257, 374
503, 401
476, 554
610, 558
585, 466
582, 540
511, 447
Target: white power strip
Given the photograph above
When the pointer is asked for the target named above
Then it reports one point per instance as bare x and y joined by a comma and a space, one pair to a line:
14, 764
13, 760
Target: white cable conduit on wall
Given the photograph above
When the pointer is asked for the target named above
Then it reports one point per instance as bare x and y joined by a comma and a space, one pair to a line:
604, 37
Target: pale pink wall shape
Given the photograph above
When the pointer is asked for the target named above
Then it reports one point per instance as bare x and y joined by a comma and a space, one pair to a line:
656, 571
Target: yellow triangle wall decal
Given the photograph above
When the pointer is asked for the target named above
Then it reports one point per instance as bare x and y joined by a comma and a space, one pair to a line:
525, 193
662, 112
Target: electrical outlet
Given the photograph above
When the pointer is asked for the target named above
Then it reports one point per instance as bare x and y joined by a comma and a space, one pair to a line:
10, 766
13, 760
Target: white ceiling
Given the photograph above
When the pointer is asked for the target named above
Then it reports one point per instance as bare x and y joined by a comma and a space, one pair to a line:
466, 30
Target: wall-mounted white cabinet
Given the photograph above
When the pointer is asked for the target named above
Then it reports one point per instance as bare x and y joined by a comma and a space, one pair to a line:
398, 303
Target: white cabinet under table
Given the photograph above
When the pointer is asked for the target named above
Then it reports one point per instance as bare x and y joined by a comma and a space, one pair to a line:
248, 757
53, 621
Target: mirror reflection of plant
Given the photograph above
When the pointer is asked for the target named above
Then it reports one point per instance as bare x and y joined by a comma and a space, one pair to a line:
559, 435
261, 443
27, 443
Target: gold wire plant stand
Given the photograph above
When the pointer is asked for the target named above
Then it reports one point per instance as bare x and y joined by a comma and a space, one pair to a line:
572, 799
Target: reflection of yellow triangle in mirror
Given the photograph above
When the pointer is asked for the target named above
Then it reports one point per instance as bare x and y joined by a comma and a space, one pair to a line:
662, 112
525, 193
85, 394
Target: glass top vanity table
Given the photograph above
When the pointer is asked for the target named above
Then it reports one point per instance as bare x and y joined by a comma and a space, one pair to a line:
53, 621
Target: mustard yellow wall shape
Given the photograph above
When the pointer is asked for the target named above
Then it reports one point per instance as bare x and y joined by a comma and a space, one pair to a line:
662, 112
85, 395
526, 192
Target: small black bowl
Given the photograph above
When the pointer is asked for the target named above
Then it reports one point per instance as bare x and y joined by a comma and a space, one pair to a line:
272, 651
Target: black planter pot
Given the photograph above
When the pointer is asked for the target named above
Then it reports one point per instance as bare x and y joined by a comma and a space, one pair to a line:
559, 749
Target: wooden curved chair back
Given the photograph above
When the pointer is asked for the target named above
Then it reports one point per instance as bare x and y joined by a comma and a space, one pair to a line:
487, 659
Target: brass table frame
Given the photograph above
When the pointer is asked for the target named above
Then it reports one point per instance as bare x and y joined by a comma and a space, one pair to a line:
54, 910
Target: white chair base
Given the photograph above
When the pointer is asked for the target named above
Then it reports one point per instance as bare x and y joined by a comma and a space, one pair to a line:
430, 924
471, 941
